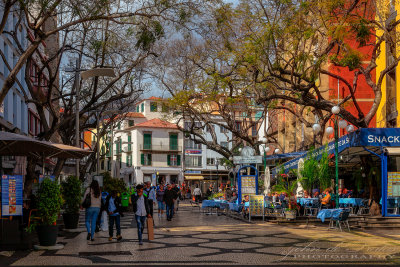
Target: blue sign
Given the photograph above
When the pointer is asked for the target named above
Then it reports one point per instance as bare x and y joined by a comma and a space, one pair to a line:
11, 195
364, 137
41, 177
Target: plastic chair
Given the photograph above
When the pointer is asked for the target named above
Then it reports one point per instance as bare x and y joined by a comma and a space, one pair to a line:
364, 208
312, 207
342, 219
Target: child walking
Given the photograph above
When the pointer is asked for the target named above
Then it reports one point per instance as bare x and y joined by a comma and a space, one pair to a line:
113, 207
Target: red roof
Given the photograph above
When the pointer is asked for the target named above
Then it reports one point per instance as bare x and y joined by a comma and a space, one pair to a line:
134, 115
156, 123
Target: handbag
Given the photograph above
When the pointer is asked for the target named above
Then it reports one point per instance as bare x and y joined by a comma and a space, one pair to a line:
87, 202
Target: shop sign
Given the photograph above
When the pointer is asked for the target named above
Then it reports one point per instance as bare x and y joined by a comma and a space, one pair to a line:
192, 152
247, 157
192, 172
11, 195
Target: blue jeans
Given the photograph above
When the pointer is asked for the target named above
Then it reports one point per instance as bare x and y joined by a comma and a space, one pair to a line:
140, 220
117, 220
170, 211
90, 219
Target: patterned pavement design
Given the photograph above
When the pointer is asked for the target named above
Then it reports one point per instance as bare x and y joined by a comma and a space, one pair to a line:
193, 238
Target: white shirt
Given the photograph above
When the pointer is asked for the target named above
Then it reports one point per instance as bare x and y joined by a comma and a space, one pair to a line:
197, 192
141, 208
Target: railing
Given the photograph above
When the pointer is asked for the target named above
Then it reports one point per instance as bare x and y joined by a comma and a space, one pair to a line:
166, 147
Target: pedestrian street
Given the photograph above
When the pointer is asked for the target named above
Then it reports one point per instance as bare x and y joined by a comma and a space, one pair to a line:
193, 238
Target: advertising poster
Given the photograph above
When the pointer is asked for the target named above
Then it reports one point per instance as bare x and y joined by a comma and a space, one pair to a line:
248, 185
11, 195
256, 205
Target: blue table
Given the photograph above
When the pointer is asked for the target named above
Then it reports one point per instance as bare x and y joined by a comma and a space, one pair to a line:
304, 201
209, 204
351, 201
329, 213
235, 207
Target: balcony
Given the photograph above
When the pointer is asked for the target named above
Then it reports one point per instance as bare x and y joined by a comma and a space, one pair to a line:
160, 148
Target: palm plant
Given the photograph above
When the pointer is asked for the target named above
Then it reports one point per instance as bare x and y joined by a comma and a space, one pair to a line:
287, 186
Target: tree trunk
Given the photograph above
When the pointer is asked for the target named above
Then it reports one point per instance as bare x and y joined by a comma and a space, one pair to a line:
368, 164
58, 168
30, 177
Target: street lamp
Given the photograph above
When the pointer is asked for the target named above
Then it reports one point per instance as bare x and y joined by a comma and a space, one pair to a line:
85, 75
342, 124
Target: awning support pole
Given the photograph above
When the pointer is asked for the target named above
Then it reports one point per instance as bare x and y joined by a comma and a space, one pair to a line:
383, 158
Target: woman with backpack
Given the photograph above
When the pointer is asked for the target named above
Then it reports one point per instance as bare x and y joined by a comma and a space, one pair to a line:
92, 204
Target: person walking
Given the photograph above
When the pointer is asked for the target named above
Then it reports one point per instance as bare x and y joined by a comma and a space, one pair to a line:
176, 202
160, 200
169, 198
93, 211
114, 210
150, 193
141, 208
197, 193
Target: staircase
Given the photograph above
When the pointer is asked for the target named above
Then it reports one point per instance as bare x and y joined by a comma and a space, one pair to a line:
378, 222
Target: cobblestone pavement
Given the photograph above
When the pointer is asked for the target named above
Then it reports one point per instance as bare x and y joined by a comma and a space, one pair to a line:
194, 238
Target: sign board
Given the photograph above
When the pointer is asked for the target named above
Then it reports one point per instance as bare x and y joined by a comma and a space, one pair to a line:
248, 183
193, 151
247, 156
256, 205
245, 160
192, 172
11, 195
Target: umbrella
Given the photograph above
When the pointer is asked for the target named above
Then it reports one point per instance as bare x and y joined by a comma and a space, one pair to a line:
12, 144
67, 152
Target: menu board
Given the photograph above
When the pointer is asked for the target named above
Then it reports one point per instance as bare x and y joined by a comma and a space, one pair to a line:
256, 205
11, 195
393, 184
248, 185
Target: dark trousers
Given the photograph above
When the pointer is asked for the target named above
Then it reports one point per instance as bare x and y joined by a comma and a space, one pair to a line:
151, 207
170, 211
197, 198
117, 220
140, 221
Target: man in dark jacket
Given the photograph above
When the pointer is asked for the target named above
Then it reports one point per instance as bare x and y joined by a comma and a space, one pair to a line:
169, 198
141, 208
114, 210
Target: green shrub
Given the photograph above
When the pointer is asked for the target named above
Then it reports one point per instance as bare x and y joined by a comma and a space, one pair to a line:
49, 201
71, 193
110, 184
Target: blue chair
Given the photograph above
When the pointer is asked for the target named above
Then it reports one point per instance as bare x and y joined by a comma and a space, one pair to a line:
342, 219
312, 207
391, 205
364, 208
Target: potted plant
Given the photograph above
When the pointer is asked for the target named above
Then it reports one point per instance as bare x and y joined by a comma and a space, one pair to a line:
49, 203
71, 193
285, 185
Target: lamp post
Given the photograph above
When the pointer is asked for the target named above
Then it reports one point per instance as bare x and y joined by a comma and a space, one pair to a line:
335, 130
85, 75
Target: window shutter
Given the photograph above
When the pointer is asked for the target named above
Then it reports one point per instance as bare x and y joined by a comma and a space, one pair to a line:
149, 158
173, 142
142, 107
147, 141
169, 160
137, 108
178, 160
142, 159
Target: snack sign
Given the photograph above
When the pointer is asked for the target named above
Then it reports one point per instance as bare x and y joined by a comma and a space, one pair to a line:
11, 195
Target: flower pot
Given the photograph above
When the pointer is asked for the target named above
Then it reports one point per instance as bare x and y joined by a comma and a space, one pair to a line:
290, 214
47, 234
71, 220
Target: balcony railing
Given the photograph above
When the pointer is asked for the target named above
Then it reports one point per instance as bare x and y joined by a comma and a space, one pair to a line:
161, 147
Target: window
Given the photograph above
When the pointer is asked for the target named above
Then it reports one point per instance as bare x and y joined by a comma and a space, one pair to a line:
137, 108
153, 107
173, 141
193, 161
120, 162
209, 127
128, 160
223, 129
129, 143
147, 141
254, 130
15, 113
102, 165
237, 125
191, 144
119, 126
108, 165
108, 149
142, 107
211, 161
34, 124
145, 159
225, 144
131, 123
174, 160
